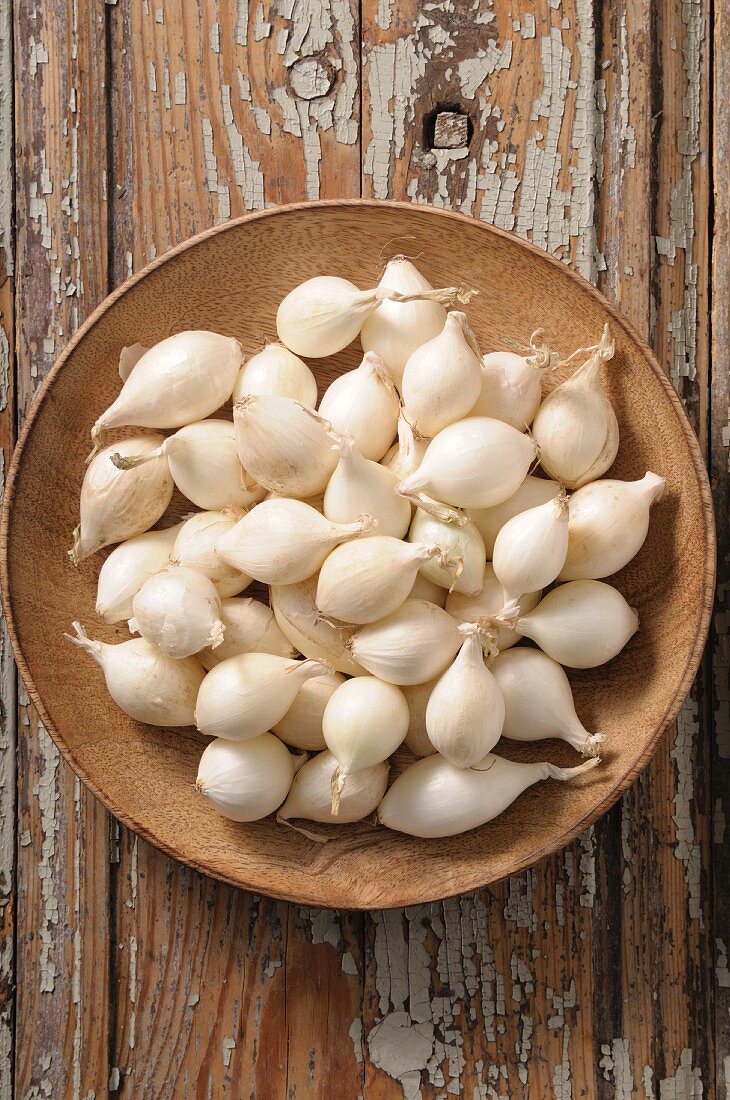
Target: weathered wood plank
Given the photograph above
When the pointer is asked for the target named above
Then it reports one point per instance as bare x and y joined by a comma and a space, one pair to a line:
720, 470
220, 115
8, 693
533, 169
664, 823
62, 926
505, 973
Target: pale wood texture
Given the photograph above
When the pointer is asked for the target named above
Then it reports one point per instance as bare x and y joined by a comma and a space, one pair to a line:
591, 975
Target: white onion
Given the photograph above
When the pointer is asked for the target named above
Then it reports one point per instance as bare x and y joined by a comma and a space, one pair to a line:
434, 798
246, 780
127, 568
195, 548
474, 463
183, 378
581, 624
143, 682
250, 627
116, 505
396, 329
363, 404
276, 372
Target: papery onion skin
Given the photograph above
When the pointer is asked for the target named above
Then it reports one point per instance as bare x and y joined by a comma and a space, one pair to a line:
417, 696
296, 611
396, 329
608, 524
581, 624
301, 726
442, 378
246, 695
195, 548
116, 505
127, 568
178, 610
539, 701
462, 544
406, 455
364, 722
183, 378
414, 644
532, 491
310, 797
284, 541
206, 469
283, 445
424, 589
434, 798
363, 403
576, 427
250, 627
488, 605
323, 315
276, 372
531, 548
359, 486
143, 682
474, 463
365, 580
465, 713
246, 780
511, 389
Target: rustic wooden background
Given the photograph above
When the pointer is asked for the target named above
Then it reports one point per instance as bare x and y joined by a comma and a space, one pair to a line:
125, 127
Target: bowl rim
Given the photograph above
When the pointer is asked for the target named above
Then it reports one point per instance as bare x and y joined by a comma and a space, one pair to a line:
407, 895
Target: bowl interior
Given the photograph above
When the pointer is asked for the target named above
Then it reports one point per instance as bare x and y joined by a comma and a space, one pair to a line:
231, 281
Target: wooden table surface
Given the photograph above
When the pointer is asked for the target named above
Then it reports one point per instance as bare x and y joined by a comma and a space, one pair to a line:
125, 127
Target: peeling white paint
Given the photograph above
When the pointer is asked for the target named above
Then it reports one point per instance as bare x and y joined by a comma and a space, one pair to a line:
627, 133
686, 1084
211, 173
46, 791
229, 1045
384, 15
261, 28
37, 55
181, 87
247, 173
241, 22
681, 239
687, 850
587, 842
615, 1063
6, 142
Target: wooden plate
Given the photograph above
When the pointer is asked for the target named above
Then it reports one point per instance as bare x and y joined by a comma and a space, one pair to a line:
231, 279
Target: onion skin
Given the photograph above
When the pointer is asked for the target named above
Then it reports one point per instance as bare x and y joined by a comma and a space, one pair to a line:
310, 797
433, 798
246, 780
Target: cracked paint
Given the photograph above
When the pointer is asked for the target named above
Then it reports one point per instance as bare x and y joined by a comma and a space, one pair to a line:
687, 850
46, 792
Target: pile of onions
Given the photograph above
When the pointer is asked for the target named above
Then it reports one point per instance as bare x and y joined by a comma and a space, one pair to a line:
436, 537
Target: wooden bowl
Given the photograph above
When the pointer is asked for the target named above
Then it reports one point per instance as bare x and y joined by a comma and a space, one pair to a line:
231, 279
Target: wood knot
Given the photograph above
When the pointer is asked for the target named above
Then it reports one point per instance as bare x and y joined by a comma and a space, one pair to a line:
311, 77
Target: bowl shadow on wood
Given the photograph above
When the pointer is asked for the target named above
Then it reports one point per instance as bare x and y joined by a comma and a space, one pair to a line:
231, 279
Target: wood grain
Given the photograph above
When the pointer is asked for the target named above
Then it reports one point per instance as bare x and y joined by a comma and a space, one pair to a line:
8, 693
547, 986
719, 468
62, 855
235, 113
